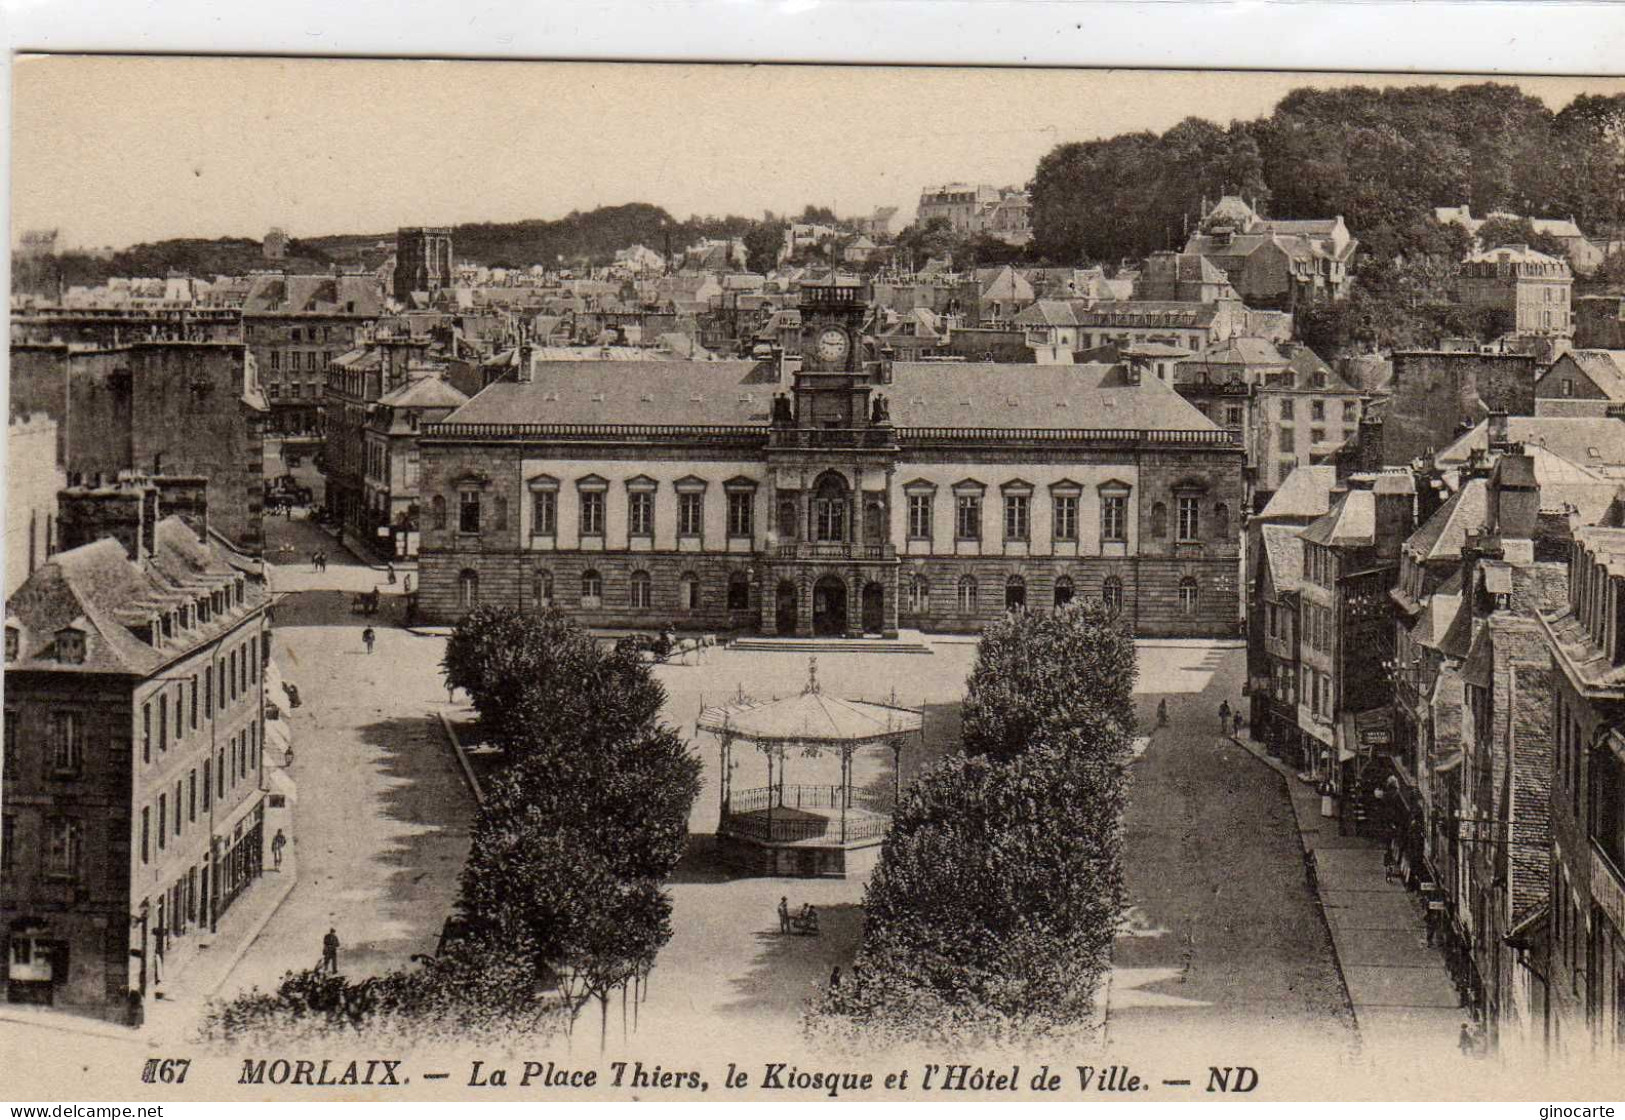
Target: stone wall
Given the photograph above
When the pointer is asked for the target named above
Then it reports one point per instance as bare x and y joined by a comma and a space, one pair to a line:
1434, 392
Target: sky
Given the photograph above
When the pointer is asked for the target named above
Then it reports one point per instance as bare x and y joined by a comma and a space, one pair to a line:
114, 151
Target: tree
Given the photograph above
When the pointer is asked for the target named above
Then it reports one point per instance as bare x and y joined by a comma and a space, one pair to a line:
577, 836
992, 912
536, 678
1497, 232
920, 243
764, 241
1039, 674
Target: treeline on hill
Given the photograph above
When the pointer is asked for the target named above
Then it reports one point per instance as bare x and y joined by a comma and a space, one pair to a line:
991, 915
579, 239
1380, 158
562, 899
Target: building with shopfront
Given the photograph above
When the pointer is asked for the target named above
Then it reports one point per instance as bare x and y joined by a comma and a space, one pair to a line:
133, 798
852, 495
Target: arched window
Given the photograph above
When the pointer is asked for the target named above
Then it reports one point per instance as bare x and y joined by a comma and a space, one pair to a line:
1221, 521
1159, 520
967, 593
829, 508
643, 595
1063, 591
1111, 593
739, 591
688, 591
1015, 593
919, 595
1188, 595
592, 589
541, 587
438, 514
468, 589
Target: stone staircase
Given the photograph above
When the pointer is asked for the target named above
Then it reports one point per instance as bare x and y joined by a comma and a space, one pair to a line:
907, 641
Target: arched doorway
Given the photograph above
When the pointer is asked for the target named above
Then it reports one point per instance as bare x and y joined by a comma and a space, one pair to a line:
829, 606
874, 608
784, 607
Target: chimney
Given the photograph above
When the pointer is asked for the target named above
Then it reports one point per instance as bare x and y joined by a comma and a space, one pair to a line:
187, 497
1514, 497
1496, 428
87, 514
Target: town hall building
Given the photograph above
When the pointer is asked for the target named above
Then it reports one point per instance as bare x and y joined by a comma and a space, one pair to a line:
853, 496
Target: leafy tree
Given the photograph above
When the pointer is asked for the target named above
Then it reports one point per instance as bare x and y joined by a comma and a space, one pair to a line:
992, 912
535, 678
1505, 231
1039, 674
578, 834
764, 241
920, 242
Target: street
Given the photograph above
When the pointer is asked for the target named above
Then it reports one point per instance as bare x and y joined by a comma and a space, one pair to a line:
381, 819
1223, 937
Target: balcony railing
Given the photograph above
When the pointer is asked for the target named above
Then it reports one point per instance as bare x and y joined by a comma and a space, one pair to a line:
836, 438
834, 550
605, 433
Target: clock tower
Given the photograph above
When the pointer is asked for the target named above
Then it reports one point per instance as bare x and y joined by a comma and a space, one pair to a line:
831, 326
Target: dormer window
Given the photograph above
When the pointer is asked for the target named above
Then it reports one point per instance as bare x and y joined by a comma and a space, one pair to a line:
13, 642
70, 645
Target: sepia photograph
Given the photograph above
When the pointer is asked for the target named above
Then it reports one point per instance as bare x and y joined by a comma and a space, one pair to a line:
554, 581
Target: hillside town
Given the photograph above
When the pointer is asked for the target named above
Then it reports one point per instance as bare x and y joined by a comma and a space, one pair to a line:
1392, 565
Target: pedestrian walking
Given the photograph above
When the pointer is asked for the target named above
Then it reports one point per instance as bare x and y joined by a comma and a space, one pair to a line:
390, 569
835, 978
368, 637
278, 842
330, 952
315, 561
1236, 719
1224, 716
160, 940
784, 914
406, 584
1162, 713
1467, 1042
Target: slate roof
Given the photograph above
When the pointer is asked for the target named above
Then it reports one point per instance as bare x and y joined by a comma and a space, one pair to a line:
1571, 437
1003, 395
101, 591
1283, 551
1351, 522
1306, 492
1118, 313
1605, 368
293, 294
1443, 534
921, 395
425, 392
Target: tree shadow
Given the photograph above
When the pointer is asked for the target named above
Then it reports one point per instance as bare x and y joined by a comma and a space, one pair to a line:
942, 731
790, 968
702, 863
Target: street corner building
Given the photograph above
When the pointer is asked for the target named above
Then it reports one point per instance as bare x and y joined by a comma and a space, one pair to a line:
133, 794
849, 495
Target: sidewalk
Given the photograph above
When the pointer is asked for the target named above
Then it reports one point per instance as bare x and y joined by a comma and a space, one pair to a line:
1399, 988
192, 979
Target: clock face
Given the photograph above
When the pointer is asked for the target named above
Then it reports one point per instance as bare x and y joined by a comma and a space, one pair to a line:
833, 345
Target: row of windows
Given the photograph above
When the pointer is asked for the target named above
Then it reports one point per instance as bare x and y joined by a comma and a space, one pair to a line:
1319, 687
640, 513
236, 762
223, 682
296, 391
1287, 438
312, 361
1317, 410
689, 597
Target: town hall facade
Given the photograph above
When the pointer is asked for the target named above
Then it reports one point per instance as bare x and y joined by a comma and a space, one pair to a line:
852, 496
